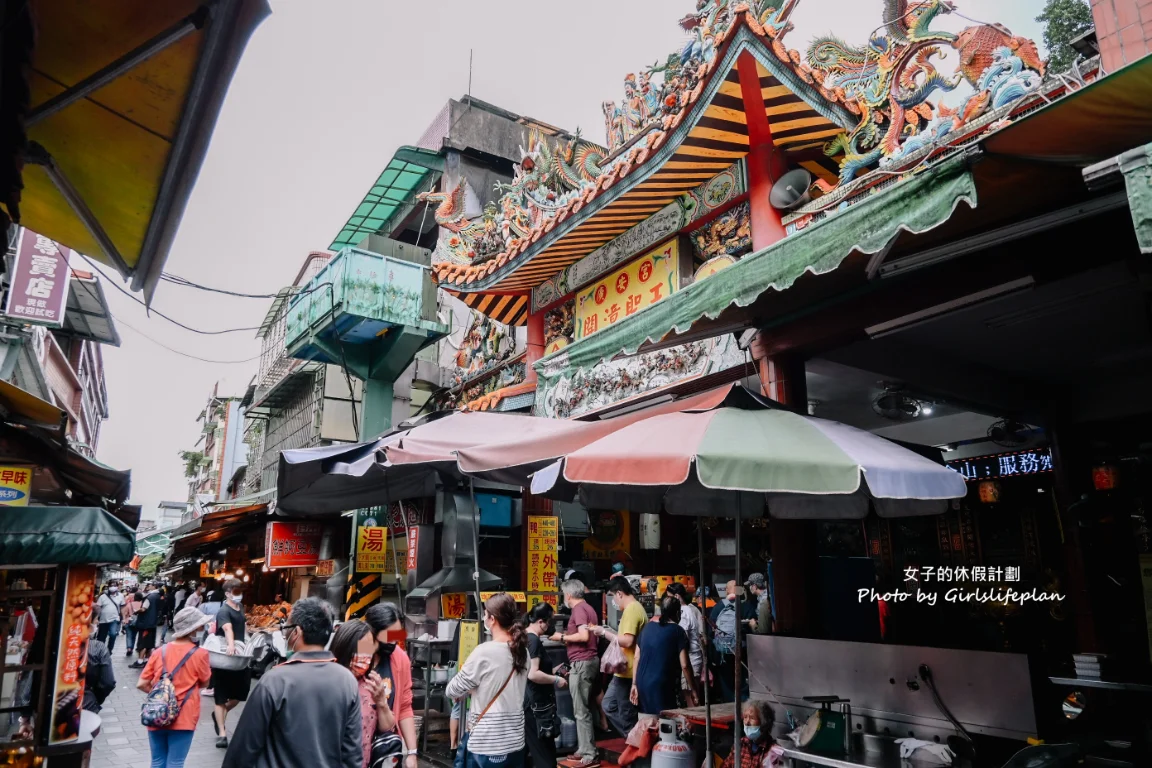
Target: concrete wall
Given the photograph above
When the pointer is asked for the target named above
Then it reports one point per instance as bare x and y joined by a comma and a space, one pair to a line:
1123, 29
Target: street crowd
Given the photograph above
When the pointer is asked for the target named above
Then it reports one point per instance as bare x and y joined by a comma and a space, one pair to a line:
344, 695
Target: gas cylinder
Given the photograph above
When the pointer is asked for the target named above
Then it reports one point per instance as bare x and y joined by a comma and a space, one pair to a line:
670, 752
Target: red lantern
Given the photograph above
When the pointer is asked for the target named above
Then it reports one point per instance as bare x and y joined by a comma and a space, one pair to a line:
1105, 477
989, 491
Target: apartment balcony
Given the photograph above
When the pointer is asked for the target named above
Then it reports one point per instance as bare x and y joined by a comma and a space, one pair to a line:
361, 297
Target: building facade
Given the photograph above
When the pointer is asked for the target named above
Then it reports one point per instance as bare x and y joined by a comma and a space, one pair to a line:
219, 452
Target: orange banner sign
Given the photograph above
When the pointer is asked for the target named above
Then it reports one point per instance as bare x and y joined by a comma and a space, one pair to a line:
72, 657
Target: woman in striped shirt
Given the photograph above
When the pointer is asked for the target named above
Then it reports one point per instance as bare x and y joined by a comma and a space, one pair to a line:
495, 675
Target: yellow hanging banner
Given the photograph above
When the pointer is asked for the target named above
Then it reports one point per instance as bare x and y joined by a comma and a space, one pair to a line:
372, 550
469, 639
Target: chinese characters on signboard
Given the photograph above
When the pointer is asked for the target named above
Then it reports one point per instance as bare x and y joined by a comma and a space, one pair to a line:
372, 549
325, 568
1004, 465
413, 547
72, 658
645, 281
452, 606
292, 545
543, 542
15, 486
40, 277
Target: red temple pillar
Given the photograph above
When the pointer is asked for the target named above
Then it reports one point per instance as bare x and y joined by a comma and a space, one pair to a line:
793, 545
535, 349
765, 162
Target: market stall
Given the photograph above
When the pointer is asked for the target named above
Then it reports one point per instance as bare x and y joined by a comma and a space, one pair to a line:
49, 559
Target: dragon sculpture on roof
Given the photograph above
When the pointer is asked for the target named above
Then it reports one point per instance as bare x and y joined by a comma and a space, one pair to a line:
891, 78
886, 82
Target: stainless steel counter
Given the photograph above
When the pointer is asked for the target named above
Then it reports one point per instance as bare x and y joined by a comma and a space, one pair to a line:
858, 759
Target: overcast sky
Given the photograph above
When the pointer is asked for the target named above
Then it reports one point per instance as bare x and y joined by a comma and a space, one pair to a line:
323, 96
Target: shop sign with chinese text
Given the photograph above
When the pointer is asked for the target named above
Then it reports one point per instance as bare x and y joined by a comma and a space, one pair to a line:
645, 281
413, 547
1030, 462
325, 568
372, 549
40, 277
72, 656
15, 486
543, 553
292, 545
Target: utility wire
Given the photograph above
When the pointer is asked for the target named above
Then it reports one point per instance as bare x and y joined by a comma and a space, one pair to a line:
178, 352
177, 280
139, 301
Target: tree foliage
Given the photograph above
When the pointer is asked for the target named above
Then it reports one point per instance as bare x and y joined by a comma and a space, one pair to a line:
149, 564
1064, 21
192, 462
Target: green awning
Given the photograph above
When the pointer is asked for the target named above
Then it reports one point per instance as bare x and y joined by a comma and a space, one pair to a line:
63, 536
1137, 168
396, 186
916, 205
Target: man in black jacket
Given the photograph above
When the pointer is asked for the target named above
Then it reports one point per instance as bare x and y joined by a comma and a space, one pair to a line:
305, 712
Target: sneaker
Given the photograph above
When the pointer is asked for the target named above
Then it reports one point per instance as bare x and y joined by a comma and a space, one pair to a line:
222, 742
128, 653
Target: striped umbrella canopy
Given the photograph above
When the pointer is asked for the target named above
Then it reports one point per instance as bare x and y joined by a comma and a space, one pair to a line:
730, 459
412, 461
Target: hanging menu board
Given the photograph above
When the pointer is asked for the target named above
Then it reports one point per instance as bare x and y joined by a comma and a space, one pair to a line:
543, 553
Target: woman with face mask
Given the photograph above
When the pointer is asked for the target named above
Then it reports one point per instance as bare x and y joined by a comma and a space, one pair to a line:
354, 647
757, 737
394, 668
495, 675
187, 666
541, 722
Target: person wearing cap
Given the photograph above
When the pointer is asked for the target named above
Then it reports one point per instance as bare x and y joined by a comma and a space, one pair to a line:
187, 665
758, 587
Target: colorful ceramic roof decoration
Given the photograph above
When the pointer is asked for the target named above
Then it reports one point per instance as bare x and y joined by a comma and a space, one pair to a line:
838, 110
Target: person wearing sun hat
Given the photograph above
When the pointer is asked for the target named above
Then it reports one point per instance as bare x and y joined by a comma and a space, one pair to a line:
187, 665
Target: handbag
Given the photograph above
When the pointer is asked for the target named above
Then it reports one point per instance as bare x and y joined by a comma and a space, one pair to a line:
614, 661
387, 751
547, 723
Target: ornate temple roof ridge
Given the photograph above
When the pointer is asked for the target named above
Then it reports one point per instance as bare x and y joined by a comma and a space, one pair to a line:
865, 106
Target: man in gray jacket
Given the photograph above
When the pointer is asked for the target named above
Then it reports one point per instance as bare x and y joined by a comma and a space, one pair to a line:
304, 713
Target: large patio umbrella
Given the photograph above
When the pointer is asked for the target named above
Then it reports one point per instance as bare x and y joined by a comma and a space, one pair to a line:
735, 457
728, 458
499, 447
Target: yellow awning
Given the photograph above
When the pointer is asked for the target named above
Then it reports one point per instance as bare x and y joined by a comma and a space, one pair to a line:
25, 408
130, 147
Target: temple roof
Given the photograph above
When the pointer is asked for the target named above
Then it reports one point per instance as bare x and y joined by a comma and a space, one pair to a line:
676, 154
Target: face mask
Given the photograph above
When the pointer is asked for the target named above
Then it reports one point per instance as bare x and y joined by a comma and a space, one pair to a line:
387, 648
113, 590
360, 665
237, 598
752, 732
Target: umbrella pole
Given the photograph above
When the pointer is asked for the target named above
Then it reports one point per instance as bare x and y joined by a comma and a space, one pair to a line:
476, 549
704, 668
738, 721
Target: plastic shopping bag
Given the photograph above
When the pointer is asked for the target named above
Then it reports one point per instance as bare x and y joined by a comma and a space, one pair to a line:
614, 661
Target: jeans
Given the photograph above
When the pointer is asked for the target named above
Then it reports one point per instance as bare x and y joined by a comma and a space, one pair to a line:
106, 633
169, 748
726, 678
511, 760
131, 639
581, 678
617, 708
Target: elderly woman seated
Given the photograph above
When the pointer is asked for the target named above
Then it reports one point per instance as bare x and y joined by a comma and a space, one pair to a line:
757, 739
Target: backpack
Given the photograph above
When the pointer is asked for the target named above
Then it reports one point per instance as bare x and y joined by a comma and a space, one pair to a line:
725, 636
161, 708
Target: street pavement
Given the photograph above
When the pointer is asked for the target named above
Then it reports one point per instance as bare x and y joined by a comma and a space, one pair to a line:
123, 741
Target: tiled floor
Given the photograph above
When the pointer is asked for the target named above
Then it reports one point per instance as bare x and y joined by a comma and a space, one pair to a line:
123, 741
